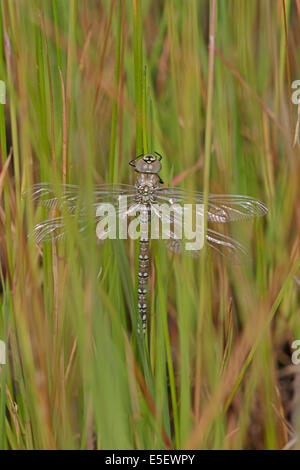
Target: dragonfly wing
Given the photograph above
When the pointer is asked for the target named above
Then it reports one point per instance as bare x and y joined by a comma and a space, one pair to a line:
71, 196
50, 229
178, 247
171, 230
221, 207
177, 243
56, 228
224, 245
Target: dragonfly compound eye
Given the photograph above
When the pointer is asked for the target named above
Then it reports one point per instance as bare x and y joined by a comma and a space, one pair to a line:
148, 164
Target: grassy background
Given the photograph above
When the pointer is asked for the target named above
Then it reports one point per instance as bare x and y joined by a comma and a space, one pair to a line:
90, 84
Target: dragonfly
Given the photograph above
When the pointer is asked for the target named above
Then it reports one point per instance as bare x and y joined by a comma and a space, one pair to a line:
144, 199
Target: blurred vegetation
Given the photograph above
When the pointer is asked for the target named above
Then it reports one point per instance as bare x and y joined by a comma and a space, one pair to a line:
90, 84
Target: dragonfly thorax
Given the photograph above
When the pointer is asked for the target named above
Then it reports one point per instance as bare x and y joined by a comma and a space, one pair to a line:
146, 185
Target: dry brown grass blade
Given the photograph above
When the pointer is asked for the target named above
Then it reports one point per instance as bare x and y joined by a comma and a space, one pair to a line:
254, 94
288, 67
14, 414
71, 359
50, 92
238, 363
229, 331
85, 48
150, 402
4, 171
283, 423
99, 81
298, 7
64, 130
121, 93
181, 176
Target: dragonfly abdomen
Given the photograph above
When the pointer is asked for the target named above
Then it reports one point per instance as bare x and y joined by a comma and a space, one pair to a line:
147, 183
143, 277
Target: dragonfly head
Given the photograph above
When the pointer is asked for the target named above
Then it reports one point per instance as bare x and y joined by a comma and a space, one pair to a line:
148, 163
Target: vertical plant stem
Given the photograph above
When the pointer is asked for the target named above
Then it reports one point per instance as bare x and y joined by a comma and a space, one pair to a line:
121, 95
288, 68
144, 111
12, 107
99, 81
3, 147
172, 381
208, 127
138, 68
51, 95
3, 142
64, 131
70, 60
114, 118
207, 156
3, 374
56, 26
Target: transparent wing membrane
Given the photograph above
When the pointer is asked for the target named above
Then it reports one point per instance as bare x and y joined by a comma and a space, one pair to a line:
70, 196
50, 229
220, 243
221, 209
